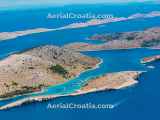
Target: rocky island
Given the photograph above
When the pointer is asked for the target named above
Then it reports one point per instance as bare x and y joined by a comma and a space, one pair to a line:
91, 22
149, 38
13, 35
110, 81
116, 80
111, 19
150, 59
38, 68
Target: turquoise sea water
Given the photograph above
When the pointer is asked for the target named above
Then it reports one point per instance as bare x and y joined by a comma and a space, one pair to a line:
138, 102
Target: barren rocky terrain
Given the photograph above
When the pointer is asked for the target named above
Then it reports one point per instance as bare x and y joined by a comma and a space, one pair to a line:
40, 67
149, 38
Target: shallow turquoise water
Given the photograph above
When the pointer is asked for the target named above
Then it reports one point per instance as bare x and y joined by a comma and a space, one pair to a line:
138, 102
131, 99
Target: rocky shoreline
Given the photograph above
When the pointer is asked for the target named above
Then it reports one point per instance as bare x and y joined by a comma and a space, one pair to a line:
149, 38
92, 22
150, 59
13, 35
111, 81
38, 68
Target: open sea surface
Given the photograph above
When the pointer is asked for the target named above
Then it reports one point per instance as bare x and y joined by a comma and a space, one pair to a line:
141, 101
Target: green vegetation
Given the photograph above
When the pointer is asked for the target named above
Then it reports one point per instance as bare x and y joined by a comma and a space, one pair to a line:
59, 69
150, 43
31, 67
130, 38
88, 67
14, 83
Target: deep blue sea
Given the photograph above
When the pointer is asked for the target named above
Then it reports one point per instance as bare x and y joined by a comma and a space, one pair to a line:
137, 102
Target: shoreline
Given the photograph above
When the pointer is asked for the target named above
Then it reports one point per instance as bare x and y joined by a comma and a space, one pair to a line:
97, 66
76, 93
29, 71
150, 59
103, 49
106, 49
93, 22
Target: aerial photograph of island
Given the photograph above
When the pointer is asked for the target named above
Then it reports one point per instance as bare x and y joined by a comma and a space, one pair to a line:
79, 60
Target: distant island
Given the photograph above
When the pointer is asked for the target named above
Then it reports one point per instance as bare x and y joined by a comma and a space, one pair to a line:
13, 35
149, 38
91, 22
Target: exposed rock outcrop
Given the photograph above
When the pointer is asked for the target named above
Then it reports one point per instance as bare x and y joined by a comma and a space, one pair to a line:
30, 71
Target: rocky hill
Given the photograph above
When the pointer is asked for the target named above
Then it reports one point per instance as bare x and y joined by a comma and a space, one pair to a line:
40, 67
149, 38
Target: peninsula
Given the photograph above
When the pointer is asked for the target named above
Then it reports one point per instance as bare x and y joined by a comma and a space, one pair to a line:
109, 81
38, 68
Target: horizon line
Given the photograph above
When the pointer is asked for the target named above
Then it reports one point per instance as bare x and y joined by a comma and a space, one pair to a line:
35, 6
